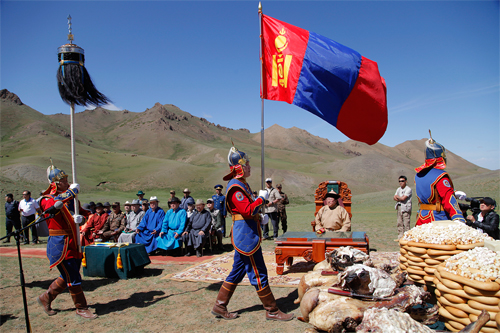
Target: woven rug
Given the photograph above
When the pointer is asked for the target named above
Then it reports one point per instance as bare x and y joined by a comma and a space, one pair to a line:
216, 269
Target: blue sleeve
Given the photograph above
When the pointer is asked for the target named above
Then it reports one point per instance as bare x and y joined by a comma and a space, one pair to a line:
164, 227
182, 221
144, 221
159, 220
224, 207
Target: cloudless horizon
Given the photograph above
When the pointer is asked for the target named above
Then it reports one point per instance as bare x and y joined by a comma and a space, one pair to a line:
440, 61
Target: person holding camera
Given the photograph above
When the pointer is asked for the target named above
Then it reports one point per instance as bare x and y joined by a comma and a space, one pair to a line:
486, 220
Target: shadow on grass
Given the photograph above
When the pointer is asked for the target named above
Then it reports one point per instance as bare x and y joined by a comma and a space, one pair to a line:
137, 300
91, 285
285, 304
87, 285
5, 317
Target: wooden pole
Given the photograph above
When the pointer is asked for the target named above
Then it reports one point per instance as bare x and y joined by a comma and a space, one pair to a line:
73, 171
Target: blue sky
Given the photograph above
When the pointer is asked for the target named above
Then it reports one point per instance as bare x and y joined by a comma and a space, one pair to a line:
440, 60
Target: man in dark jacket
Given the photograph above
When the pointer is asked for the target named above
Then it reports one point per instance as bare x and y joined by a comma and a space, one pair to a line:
12, 217
197, 229
487, 220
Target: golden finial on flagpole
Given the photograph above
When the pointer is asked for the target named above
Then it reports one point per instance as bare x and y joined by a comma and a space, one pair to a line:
260, 7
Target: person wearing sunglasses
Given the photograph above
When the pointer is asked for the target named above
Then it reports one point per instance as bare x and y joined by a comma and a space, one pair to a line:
403, 206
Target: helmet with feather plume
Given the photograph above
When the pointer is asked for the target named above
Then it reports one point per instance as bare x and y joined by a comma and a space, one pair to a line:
435, 155
54, 175
236, 159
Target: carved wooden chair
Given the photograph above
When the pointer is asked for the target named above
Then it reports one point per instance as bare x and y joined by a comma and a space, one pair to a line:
339, 187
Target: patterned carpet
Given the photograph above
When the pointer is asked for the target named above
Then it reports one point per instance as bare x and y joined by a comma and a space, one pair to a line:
216, 269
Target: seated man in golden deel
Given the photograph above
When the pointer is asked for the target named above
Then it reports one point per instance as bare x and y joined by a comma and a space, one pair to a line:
332, 216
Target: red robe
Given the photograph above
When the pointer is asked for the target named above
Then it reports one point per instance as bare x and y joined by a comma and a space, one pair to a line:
93, 225
67, 247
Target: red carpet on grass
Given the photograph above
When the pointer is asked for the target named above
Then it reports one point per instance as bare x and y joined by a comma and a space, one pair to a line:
41, 253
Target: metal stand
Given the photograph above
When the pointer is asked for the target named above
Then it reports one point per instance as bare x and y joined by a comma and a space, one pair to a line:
17, 235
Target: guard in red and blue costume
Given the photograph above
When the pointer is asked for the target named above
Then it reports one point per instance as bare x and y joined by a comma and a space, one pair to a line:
62, 244
246, 238
435, 192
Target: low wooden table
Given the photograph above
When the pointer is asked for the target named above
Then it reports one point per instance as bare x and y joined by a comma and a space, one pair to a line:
313, 247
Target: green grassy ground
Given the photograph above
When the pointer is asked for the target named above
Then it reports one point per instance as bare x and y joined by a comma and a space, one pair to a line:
152, 304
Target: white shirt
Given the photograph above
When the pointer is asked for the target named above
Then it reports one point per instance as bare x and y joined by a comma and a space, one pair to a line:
405, 205
28, 207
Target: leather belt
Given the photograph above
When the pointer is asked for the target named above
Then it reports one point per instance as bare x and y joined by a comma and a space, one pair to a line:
437, 207
60, 232
236, 217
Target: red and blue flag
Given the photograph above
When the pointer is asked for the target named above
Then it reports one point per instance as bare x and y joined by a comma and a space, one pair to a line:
325, 78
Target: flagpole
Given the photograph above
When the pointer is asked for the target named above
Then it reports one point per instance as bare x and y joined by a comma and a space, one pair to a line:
262, 102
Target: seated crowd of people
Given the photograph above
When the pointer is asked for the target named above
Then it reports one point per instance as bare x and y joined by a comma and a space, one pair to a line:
185, 223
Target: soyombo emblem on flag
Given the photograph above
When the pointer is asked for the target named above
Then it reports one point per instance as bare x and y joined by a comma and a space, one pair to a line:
325, 78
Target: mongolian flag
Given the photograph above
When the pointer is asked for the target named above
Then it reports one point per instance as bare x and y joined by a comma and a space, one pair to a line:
325, 78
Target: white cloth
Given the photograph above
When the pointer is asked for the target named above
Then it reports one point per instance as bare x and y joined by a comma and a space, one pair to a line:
28, 207
406, 204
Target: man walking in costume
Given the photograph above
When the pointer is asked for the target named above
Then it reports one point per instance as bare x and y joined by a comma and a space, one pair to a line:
246, 237
435, 192
62, 245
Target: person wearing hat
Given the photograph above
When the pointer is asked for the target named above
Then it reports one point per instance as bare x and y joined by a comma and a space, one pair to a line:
12, 216
487, 219
271, 209
133, 220
434, 188
332, 216
246, 237
107, 207
172, 195
220, 204
197, 229
170, 237
91, 230
127, 207
216, 229
115, 224
187, 199
140, 196
92, 207
62, 245
150, 226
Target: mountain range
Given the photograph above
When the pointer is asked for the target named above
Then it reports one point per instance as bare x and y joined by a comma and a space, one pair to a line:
164, 147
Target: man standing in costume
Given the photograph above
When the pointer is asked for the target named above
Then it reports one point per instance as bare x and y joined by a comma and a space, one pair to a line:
220, 204
246, 237
435, 192
62, 245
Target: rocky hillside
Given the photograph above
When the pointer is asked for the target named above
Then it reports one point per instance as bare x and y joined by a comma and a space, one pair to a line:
164, 146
